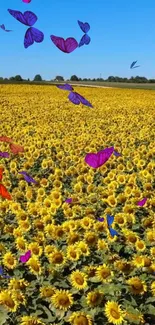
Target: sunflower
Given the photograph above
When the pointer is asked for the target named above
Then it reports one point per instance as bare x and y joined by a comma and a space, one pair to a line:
103, 273
78, 280
112, 201
90, 270
86, 223
35, 248
47, 291
94, 298
18, 297
91, 238
80, 318
6, 299
138, 261
17, 284
9, 260
59, 233
140, 245
30, 320
84, 249
137, 286
114, 313
73, 253
102, 245
73, 238
57, 258
153, 288
34, 265
62, 299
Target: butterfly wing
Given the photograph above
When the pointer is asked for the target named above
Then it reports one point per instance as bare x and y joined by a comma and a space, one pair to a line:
15, 148
4, 154
100, 219
26, 1
113, 232
1, 173
69, 200
84, 40
4, 193
65, 87
30, 18
74, 98
104, 155
85, 27
117, 154
66, 46
24, 258
137, 66
142, 202
83, 100
2, 26
32, 35
5, 139
132, 64
110, 220
92, 160
18, 16
28, 178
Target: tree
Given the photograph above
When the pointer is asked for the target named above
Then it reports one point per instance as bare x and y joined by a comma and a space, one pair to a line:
37, 78
59, 78
18, 78
12, 78
74, 78
1, 78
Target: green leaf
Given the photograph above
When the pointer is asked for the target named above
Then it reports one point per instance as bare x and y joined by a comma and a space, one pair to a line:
3, 315
151, 309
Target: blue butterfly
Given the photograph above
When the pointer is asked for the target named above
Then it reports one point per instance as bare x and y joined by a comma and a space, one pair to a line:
110, 220
2, 273
85, 27
132, 66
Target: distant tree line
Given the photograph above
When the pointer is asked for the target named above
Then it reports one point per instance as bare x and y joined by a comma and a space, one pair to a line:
38, 78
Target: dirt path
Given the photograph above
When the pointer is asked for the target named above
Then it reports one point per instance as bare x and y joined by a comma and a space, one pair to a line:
93, 86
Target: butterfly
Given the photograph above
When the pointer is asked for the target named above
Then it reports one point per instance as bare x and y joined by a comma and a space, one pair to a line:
74, 97
28, 178
2, 273
16, 148
1, 173
96, 160
69, 200
4, 193
28, 18
85, 27
26, 1
117, 154
24, 258
6, 30
112, 231
132, 65
5, 139
142, 202
4, 154
100, 219
66, 46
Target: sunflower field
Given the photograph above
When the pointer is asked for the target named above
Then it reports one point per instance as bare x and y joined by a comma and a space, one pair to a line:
77, 274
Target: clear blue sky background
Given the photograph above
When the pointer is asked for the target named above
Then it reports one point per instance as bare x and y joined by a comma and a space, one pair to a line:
121, 31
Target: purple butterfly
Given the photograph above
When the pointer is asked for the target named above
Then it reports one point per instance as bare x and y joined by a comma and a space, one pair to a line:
4, 154
84, 40
65, 87
6, 30
24, 258
96, 160
132, 66
110, 220
85, 27
33, 35
69, 200
142, 202
117, 154
28, 178
76, 99
100, 219
2, 273
66, 46
28, 18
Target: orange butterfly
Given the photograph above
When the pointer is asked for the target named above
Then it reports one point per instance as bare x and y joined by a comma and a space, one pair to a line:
4, 193
5, 139
1, 173
16, 148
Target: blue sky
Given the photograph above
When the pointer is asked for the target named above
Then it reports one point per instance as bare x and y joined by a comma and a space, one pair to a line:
121, 31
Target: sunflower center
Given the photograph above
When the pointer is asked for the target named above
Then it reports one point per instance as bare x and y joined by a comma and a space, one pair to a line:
9, 303
137, 286
79, 279
81, 320
64, 301
115, 314
58, 258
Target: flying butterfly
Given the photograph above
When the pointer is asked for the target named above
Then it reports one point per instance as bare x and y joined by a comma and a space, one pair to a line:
4, 154
24, 258
2, 273
16, 148
66, 46
3, 27
27, 177
85, 27
96, 160
26, 1
5, 139
28, 18
74, 97
4, 193
142, 202
110, 220
132, 66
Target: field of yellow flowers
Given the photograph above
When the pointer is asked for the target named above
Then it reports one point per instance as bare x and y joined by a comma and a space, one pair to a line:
77, 274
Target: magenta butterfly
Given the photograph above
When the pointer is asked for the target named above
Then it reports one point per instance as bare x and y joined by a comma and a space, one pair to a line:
85, 27
24, 258
96, 160
4, 154
74, 97
6, 30
66, 46
69, 200
26, 1
28, 18
142, 202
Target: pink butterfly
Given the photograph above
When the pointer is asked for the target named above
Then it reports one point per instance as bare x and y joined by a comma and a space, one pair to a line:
26, 257
96, 160
26, 1
142, 202
66, 46
69, 200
